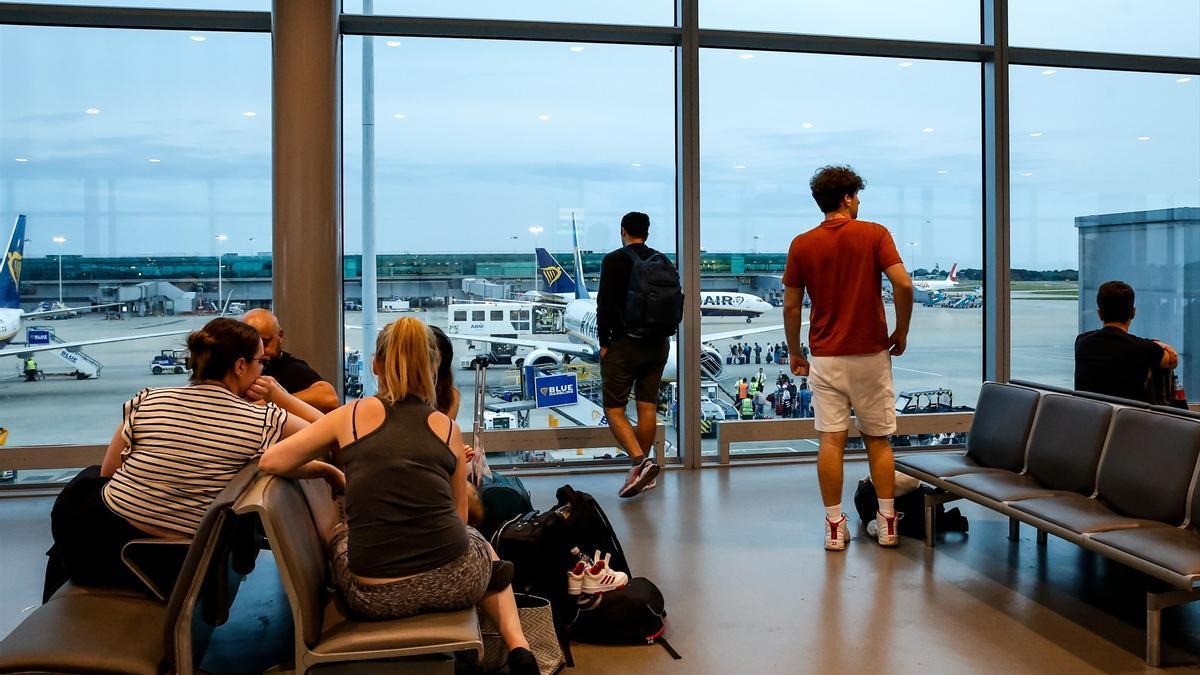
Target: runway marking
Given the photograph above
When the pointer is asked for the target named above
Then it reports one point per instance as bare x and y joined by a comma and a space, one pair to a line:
913, 370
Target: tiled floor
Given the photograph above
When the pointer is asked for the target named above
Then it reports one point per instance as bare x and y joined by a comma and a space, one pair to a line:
749, 589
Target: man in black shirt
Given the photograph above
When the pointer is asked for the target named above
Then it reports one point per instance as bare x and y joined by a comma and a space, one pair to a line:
1112, 361
629, 363
293, 374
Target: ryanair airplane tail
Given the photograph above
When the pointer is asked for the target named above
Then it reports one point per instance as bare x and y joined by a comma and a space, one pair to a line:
10, 272
581, 291
556, 278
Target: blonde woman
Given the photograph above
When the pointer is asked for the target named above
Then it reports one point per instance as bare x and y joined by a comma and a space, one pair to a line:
406, 547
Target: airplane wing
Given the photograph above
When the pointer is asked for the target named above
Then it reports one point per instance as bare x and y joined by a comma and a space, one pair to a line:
742, 332
569, 348
64, 310
72, 346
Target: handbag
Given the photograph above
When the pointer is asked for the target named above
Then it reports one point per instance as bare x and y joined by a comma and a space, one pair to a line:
537, 623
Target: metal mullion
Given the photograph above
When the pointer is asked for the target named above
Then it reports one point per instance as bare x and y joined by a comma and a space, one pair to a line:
843, 45
134, 18
489, 29
687, 229
997, 320
1175, 65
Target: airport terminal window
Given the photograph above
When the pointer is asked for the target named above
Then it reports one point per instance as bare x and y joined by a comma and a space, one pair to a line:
921, 157
634, 12
142, 162
1103, 187
1157, 27
485, 151
939, 20
245, 5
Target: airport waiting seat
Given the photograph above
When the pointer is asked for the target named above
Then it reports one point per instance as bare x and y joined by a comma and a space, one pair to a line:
109, 630
1064, 451
323, 633
999, 432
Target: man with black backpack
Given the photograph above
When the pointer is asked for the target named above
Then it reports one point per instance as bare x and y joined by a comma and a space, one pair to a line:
638, 309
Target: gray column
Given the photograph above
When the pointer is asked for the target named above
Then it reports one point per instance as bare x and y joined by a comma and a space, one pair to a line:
307, 187
687, 229
997, 312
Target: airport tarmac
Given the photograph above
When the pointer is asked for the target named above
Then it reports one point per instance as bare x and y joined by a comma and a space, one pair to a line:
944, 350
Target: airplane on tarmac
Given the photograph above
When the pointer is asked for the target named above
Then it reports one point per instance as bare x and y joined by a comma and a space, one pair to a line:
562, 288
579, 320
11, 314
951, 281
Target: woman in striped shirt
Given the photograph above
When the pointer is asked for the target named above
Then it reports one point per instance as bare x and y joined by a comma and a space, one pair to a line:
174, 451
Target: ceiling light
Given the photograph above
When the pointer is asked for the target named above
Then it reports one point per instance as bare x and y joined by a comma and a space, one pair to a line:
905, 64
943, 171
1026, 173
1049, 72
1184, 80
576, 49
393, 43
1143, 138
249, 113
745, 57
1036, 134
92, 111
636, 164
400, 116
806, 125
154, 160
928, 130
197, 38
739, 167
22, 159
544, 118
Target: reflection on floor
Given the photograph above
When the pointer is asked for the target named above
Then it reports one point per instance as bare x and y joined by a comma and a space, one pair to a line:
749, 589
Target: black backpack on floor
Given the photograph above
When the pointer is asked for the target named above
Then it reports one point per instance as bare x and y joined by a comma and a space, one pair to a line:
633, 615
503, 498
654, 301
912, 506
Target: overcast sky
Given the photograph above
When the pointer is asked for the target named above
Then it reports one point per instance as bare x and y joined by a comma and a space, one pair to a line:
477, 141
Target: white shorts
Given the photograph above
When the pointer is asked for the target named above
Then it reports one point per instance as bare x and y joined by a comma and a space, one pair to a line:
862, 382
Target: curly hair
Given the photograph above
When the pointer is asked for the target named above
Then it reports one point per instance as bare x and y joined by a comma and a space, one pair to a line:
830, 183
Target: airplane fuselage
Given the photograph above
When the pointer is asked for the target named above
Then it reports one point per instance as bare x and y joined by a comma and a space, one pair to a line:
716, 303
10, 325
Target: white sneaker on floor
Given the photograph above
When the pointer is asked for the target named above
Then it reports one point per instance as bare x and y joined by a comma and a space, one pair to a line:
837, 533
575, 578
887, 529
639, 477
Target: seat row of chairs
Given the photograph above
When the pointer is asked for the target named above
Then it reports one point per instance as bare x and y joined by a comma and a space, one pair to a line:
1113, 476
94, 630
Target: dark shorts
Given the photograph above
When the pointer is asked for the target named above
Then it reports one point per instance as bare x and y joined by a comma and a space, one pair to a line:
633, 365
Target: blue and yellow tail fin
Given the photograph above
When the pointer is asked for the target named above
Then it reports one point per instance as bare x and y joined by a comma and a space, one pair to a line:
553, 274
10, 270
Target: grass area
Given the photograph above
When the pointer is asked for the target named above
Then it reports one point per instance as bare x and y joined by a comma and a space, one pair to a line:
1049, 286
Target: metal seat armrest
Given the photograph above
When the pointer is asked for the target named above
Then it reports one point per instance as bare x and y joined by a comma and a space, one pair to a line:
128, 552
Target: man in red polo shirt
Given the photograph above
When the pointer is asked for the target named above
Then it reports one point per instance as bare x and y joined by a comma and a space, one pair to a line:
840, 264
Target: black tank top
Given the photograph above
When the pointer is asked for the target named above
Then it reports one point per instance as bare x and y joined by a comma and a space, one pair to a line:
399, 502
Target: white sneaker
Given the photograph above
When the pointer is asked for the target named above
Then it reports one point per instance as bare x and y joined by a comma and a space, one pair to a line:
575, 578
836, 534
639, 477
887, 529
600, 577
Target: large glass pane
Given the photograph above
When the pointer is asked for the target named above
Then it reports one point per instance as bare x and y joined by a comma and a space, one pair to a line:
936, 20
1161, 27
635, 12
484, 151
921, 157
142, 161
1105, 185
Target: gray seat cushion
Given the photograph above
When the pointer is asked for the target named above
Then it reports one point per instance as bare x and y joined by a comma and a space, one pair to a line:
1078, 514
1003, 486
1066, 441
88, 631
1000, 429
1172, 548
1147, 469
340, 635
941, 465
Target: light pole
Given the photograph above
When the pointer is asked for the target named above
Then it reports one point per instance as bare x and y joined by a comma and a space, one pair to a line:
60, 240
514, 240
220, 252
535, 230
756, 243
912, 254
